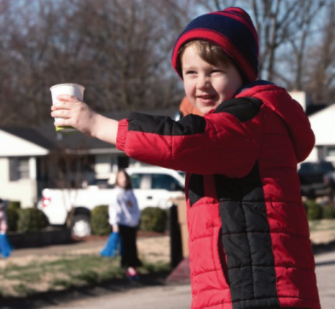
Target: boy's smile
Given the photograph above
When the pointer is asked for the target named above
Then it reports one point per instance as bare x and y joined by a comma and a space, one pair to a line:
207, 85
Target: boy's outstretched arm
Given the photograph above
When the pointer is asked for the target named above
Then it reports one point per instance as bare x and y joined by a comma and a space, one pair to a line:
77, 114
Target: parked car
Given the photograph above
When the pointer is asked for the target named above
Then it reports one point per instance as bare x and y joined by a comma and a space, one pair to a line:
317, 179
153, 186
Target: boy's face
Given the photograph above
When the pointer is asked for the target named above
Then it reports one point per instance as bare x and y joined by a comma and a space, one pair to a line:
206, 85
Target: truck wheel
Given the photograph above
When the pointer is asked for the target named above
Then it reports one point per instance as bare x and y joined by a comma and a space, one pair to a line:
81, 226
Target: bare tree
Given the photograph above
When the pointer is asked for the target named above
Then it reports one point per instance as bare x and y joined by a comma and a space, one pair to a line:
278, 22
68, 171
119, 50
6, 90
133, 45
321, 62
23, 92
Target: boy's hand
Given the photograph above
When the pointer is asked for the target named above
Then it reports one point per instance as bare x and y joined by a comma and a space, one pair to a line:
74, 112
78, 115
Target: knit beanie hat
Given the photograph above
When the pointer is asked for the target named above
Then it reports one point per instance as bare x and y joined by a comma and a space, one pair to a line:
231, 29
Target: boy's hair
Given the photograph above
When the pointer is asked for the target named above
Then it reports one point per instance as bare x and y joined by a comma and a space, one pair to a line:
233, 31
208, 51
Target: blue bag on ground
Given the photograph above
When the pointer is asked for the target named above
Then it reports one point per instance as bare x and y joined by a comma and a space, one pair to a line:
113, 245
5, 248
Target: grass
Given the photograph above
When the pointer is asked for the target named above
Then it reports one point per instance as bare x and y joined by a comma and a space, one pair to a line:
322, 225
65, 272
23, 289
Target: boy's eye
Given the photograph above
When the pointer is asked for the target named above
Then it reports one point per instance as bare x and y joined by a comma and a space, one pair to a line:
190, 72
217, 71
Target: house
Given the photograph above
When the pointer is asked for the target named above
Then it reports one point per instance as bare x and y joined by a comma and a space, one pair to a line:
21, 158
36, 158
323, 125
322, 119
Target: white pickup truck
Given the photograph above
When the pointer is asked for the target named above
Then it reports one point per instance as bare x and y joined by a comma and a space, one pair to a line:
153, 186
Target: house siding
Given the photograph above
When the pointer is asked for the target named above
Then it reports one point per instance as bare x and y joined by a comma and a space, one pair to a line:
23, 190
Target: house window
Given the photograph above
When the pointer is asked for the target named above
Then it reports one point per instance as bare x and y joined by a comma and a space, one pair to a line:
18, 168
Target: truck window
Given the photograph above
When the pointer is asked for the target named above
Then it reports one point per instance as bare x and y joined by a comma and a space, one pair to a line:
136, 180
166, 182
319, 167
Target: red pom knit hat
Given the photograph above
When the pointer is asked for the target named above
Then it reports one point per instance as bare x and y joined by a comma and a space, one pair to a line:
231, 29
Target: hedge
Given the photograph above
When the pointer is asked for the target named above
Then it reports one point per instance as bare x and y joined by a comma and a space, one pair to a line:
14, 205
313, 210
153, 219
31, 219
12, 215
328, 211
99, 220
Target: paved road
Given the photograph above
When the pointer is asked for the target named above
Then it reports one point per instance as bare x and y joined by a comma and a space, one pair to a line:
325, 272
179, 296
162, 297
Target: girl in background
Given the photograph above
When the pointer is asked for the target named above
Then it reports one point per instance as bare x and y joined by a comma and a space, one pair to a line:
124, 217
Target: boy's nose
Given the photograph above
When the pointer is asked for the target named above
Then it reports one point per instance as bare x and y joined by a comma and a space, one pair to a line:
203, 83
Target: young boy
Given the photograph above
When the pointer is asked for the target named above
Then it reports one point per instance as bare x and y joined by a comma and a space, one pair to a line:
248, 233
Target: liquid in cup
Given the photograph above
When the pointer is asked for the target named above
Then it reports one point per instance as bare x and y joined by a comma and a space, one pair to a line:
71, 89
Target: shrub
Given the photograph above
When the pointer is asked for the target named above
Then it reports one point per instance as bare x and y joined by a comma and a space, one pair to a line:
153, 219
31, 219
313, 210
328, 211
12, 215
16, 205
12, 218
99, 220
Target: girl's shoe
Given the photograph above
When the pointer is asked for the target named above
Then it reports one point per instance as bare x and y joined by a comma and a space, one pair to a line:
132, 274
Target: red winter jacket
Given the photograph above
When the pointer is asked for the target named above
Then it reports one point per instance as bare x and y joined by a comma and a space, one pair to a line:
248, 232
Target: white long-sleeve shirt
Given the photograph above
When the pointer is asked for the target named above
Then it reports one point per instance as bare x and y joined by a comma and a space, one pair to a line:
123, 208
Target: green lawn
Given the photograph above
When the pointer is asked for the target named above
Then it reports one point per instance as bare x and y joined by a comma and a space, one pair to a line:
321, 225
64, 272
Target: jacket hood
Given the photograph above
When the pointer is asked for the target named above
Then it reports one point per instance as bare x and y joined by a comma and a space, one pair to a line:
292, 113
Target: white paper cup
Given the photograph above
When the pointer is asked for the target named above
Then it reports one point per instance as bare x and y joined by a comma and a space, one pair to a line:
71, 89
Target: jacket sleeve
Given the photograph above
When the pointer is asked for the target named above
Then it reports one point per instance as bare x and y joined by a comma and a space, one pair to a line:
114, 210
137, 212
219, 143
